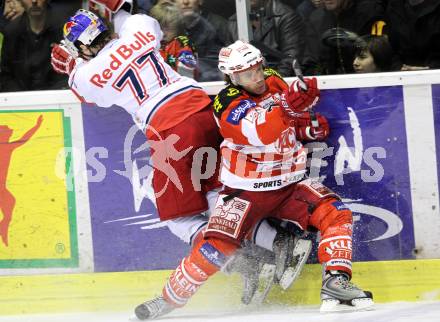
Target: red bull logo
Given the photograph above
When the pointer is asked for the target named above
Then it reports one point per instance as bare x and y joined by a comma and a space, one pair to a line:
68, 27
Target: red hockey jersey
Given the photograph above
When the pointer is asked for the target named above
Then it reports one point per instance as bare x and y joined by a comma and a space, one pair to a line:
260, 150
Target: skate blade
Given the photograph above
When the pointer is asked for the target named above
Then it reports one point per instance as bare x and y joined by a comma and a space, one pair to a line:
333, 305
301, 251
133, 318
265, 282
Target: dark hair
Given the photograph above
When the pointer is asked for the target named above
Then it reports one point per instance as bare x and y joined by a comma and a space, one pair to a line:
102, 39
227, 79
380, 49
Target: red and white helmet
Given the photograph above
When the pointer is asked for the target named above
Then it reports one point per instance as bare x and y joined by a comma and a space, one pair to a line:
238, 57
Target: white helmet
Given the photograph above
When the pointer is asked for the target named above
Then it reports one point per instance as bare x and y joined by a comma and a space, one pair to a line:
84, 26
238, 57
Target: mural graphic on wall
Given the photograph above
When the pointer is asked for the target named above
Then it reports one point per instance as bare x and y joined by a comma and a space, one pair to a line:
38, 219
7, 199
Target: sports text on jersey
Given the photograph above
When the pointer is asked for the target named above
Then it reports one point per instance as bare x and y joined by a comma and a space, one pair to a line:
268, 184
123, 52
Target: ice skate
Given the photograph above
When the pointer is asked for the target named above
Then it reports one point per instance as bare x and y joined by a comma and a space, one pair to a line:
265, 280
153, 309
247, 263
291, 254
339, 294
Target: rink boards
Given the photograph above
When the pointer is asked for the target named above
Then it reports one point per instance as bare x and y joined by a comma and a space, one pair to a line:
82, 202
390, 281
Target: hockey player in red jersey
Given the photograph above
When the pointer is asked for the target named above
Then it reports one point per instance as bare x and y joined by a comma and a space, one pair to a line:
262, 120
263, 170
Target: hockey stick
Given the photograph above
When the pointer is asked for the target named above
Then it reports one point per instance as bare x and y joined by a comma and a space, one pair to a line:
296, 68
303, 86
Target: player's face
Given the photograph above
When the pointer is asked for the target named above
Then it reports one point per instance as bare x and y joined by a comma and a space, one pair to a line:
87, 52
364, 63
188, 7
252, 79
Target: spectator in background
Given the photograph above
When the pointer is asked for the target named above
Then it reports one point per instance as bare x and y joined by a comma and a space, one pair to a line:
293, 3
414, 33
335, 53
176, 48
11, 9
62, 5
278, 31
203, 33
164, 1
208, 31
196, 8
374, 54
224, 8
219, 23
308, 6
144, 6
27, 47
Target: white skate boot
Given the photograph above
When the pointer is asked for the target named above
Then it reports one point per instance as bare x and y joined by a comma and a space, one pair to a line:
153, 309
339, 294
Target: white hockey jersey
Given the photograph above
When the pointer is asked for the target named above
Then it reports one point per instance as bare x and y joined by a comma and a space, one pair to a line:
130, 72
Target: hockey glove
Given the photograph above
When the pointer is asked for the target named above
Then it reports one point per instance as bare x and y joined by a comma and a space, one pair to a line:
115, 5
311, 127
61, 59
300, 100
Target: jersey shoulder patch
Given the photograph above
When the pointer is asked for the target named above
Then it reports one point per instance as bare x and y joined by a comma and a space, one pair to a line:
224, 99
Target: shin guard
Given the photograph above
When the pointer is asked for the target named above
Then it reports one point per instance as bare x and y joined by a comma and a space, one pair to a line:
206, 258
334, 221
184, 283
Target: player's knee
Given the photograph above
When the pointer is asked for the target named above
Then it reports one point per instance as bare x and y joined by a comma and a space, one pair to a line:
330, 213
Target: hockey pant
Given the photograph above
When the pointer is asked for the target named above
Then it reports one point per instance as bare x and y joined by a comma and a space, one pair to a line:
307, 203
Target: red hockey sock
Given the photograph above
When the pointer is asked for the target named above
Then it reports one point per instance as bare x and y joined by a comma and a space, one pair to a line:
334, 220
206, 259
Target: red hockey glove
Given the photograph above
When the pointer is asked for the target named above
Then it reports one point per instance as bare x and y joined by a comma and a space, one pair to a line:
61, 59
114, 5
311, 127
300, 100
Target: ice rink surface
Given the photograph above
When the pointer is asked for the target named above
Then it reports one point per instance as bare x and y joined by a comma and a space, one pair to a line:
395, 312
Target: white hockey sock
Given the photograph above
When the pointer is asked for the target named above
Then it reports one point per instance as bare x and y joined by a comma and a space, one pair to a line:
264, 235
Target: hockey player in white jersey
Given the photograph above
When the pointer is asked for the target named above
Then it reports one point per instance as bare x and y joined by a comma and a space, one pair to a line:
124, 68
